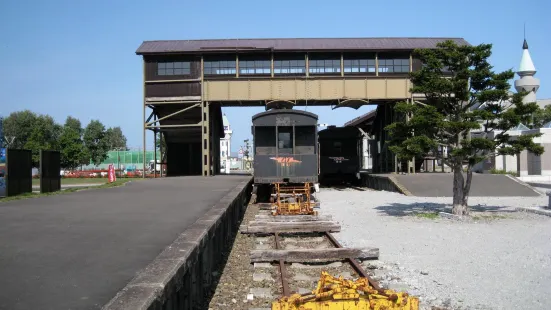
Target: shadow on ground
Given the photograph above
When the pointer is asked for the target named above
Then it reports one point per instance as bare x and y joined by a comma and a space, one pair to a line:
403, 209
542, 185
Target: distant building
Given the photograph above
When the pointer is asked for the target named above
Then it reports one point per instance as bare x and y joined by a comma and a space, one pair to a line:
225, 146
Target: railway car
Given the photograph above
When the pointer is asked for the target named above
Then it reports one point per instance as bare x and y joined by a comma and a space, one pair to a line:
340, 155
285, 158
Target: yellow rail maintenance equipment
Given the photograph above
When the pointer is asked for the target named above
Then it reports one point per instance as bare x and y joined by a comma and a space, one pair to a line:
339, 294
292, 200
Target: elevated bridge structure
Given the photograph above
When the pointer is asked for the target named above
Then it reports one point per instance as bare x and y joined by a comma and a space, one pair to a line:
187, 82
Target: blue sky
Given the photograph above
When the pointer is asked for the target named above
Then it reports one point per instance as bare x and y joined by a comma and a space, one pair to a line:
78, 57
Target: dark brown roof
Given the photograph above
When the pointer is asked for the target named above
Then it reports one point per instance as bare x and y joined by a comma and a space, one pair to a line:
362, 118
291, 44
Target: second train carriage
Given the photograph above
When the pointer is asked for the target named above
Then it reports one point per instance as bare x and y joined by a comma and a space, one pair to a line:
286, 158
340, 154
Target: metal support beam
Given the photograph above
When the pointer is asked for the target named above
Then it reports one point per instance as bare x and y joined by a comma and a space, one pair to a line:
143, 118
172, 114
173, 102
150, 116
155, 150
205, 130
172, 126
161, 139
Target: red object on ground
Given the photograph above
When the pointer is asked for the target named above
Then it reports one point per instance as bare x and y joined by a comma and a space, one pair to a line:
111, 174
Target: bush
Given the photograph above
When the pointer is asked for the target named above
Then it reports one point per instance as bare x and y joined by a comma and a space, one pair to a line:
501, 171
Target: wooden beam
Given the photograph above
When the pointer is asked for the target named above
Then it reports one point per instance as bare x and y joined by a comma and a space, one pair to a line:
268, 206
313, 255
172, 81
292, 218
172, 114
293, 227
180, 98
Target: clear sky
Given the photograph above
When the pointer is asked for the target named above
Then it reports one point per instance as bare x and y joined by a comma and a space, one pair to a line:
78, 57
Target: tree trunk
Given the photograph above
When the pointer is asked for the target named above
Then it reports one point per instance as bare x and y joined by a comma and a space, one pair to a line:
459, 197
467, 188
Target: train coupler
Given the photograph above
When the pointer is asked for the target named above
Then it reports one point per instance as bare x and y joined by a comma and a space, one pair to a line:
292, 200
338, 294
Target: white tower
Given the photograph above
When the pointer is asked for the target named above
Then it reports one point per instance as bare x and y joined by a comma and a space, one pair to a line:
526, 72
225, 146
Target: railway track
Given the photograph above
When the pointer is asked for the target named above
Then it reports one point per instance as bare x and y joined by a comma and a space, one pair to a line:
274, 257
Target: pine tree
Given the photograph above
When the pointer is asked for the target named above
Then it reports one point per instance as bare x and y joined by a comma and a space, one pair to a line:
463, 94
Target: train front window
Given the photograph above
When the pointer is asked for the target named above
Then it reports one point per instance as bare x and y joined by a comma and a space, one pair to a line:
285, 140
305, 140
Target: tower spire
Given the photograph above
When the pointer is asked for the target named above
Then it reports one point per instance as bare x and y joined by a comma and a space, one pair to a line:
525, 44
526, 72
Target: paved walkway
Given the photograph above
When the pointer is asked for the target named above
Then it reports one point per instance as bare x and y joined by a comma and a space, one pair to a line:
76, 251
441, 185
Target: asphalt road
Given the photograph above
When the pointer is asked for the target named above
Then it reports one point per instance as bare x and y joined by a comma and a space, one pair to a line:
76, 251
483, 185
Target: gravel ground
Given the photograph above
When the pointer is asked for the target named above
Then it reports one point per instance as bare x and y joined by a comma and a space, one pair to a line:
497, 259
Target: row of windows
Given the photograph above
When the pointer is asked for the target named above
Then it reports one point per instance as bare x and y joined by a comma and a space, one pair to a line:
174, 68
263, 67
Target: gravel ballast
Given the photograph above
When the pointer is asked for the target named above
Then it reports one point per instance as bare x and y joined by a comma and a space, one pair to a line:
498, 258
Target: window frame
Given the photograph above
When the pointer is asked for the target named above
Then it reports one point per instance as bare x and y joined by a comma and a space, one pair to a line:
397, 62
222, 65
320, 66
296, 65
255, 64
359, 64
173, 65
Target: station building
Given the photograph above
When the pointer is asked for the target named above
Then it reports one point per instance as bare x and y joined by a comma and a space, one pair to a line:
187, 82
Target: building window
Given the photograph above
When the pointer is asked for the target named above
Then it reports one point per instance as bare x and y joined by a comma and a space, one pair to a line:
393, 65
255, 67
223, 154
359, 65
220, 67
322, 66
289, 67
174, 68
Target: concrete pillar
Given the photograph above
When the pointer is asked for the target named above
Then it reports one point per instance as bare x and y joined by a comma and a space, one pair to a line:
546, 160
522, 163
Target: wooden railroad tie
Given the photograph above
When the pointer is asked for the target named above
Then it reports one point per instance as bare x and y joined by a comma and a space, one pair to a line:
313, 255
268, 206
256, 227
293, 218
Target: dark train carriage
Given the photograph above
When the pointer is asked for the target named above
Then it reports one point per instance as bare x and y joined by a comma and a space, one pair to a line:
285, 147
340, 154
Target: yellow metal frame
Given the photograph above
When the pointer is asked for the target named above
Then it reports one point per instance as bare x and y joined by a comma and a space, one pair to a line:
292, 200
338, 294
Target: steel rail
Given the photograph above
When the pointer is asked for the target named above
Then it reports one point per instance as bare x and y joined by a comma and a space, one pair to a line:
282, 270
354, 263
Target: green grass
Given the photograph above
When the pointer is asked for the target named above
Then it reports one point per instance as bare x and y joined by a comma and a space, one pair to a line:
117, 183
488, 217
71, 181
428, 215
499, 171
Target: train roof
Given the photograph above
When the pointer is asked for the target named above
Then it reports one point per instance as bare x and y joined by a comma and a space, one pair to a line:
338, 132
285, 111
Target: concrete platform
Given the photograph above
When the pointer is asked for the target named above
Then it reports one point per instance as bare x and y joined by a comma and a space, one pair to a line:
76, 251
441, 185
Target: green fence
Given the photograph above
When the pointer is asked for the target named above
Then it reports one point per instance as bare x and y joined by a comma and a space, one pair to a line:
129, 160
129, 157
